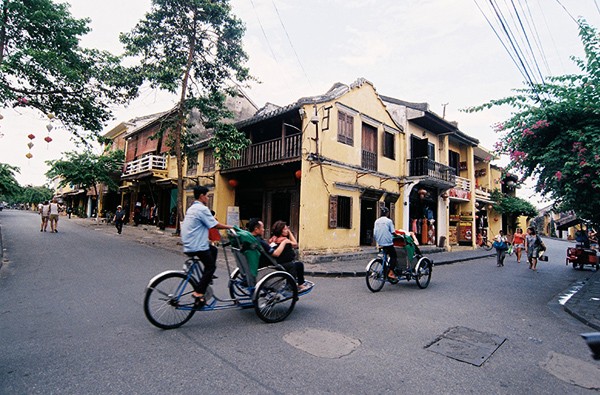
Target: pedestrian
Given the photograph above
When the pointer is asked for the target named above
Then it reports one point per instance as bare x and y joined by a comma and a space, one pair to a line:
54, 210
194, 237
45, 213
119, 218
518, 243
69, 211
383, 231
532, 247
500, 244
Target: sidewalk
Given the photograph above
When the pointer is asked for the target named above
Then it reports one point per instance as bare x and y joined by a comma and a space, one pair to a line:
584, 305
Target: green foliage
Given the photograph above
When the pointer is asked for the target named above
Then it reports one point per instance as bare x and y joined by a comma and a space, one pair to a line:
86, 170
30, 194
512, 205
194, 48
43, 66
554, 133
8, 183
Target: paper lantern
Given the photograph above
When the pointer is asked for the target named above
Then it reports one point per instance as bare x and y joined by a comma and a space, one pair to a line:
233, 183
48, 139
31, 136
49, 127
30, 145
422, 193
1, 116
28, 155
298, 174
50, 115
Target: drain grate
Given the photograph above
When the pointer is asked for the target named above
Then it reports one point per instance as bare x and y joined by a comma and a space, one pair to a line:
466, 345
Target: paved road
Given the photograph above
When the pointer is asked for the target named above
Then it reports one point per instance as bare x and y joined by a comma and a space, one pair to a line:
71, 322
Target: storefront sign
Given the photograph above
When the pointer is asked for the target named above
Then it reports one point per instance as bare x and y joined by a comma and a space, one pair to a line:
233, 215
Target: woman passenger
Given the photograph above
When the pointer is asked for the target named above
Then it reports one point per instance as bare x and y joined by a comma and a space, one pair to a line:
286, 256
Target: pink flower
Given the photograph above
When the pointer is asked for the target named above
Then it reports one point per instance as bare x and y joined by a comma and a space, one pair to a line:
558, 175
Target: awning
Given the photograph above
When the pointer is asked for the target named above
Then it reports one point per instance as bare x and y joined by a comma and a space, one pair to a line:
567, 223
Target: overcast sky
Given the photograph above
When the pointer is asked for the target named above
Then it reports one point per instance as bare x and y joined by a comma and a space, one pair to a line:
435, 51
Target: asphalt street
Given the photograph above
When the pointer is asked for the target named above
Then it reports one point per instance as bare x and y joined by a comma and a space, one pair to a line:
71, 322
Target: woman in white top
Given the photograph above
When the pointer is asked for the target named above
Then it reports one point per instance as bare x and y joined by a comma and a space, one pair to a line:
53, 216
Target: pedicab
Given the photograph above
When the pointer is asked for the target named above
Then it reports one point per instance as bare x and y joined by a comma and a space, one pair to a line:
579, 256
270, 290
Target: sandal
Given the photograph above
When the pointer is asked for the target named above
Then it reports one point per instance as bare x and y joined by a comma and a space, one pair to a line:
199, 301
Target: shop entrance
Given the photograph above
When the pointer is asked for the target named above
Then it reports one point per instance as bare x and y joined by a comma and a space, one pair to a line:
423, 214
368, 213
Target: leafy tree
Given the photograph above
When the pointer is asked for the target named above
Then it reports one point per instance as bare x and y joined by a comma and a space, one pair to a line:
87, 170
193, 48
42, 66
8, 183
554, 133
31, 194
512, 205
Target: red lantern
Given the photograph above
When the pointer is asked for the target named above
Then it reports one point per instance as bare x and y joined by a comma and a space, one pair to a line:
298, 174
31, 136
48, 139
233, 183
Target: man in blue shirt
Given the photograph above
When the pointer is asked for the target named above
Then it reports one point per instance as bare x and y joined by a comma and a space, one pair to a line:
194, 236
383, 232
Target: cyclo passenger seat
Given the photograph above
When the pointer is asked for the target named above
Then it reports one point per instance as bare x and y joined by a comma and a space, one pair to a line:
247, 252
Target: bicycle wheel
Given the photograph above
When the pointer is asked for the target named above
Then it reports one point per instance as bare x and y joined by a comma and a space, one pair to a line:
423, 271
375, 276
487, 245
169, 303
275, 297
237, 285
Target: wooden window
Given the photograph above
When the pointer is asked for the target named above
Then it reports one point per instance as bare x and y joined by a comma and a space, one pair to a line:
431, 151
345, 128
340, 212
192, 165
454, 161
209, 161
389, 147
369, 147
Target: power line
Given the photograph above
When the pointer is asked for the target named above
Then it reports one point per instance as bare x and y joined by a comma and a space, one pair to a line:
528, 42
264, 33
538, 41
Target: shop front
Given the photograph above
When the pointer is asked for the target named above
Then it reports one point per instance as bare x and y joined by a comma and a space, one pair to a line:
423, 213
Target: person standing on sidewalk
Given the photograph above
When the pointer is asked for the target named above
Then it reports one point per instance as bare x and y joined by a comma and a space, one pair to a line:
500, 243
532, 247
194, 236
118, 219
383, 231
54, 210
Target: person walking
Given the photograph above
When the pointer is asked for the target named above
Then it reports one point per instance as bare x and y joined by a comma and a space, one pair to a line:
500, 244
119, 218
518, 243
532, 247
383, 231
54, 210
194, 237
45, 213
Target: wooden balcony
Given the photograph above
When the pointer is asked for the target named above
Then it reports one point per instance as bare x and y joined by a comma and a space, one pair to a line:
148, 163
435, 172
268, 153
464, 184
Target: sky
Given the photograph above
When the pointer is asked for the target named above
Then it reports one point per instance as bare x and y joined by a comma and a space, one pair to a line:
442, 52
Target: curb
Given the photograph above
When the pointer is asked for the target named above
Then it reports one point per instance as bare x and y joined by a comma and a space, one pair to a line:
575, 311
362, 273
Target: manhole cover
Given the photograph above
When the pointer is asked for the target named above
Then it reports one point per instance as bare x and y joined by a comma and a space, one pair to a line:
321, 343
467, 345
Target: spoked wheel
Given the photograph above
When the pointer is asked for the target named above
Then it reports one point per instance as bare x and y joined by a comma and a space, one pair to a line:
375, 276
275, 297
423, 271
169, 303
238, 287
487, 245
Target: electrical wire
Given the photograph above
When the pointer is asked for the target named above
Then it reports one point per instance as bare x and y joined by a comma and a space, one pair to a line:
264, 33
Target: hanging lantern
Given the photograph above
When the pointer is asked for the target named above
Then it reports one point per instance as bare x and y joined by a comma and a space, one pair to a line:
30, 145
49, 127
50, 115
31, 136
1, 116
422, 193
21, 101
298, 174
233, 183
48, 139
490, 207
445, 195
28, 155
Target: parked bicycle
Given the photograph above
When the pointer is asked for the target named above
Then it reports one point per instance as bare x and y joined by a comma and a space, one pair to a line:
378, 268
271, 291
483, 242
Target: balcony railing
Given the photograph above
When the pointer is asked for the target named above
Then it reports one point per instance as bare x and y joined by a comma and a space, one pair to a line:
463, 183
269, 152
482, 193
426, 167
146, 163
369, 160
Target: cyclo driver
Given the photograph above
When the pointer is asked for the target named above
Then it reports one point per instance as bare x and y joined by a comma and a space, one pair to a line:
383, 231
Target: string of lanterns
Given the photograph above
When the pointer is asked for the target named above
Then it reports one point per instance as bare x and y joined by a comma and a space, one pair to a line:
47, 139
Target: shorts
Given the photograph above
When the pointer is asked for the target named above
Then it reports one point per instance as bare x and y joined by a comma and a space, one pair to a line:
521, 246
533, 253
53, 217
44, 218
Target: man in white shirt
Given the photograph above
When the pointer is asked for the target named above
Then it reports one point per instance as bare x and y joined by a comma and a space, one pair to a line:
54, 216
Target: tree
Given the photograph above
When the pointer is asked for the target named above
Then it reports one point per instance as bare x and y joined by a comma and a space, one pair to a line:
87, 170
512, 205
8, 183
31, 195
43, 67
193, 48
554, 133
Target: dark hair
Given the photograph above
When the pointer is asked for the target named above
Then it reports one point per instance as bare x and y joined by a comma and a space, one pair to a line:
277, 228
200, 190
532, 229
252, 224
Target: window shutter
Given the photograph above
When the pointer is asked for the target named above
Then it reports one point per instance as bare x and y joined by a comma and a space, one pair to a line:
333, 203
393, 211
350, 226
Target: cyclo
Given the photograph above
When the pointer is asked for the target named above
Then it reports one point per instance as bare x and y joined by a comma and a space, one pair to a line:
378, 268
271, 291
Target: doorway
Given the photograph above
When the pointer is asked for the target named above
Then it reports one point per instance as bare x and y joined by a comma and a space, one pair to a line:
368, 213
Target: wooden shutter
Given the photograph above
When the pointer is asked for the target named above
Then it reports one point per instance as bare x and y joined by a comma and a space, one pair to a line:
333, 205
393, 211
